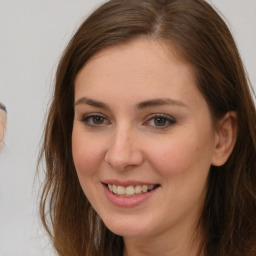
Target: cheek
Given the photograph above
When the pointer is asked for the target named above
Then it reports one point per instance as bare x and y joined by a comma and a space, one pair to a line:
86, 153
184, 164
181, 155
173, 157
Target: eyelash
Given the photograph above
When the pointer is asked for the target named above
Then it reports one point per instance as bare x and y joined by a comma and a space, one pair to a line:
88, 120
166, 118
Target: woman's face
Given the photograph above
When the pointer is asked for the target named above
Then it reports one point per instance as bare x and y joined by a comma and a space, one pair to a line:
142, 129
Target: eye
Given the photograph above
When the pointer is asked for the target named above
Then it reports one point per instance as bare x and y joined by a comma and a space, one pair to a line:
95, 120
160, 121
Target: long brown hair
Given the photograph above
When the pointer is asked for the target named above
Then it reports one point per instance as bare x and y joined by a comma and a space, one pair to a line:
201, 36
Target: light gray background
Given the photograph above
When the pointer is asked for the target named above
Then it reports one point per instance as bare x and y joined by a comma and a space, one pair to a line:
33, 34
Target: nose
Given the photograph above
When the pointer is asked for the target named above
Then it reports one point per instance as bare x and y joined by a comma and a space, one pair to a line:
124, 152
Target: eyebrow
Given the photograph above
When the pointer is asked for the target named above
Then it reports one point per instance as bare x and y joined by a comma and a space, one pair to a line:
141, 105
160, 102
93, 103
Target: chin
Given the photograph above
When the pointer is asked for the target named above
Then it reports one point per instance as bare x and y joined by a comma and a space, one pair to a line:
126, 228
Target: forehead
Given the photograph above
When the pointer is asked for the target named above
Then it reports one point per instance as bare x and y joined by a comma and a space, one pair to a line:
124, 76
147, 50
139, 62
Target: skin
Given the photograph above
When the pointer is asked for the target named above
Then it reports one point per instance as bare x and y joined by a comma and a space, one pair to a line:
128, 144
2, 126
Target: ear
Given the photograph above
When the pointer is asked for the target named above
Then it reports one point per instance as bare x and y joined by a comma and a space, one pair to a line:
225, 138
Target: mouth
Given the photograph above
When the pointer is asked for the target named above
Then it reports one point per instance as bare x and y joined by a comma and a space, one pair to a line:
130, 190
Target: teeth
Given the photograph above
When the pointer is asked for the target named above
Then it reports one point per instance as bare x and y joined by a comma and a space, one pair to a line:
144, 188
150, 187
121, 190
110, 187
138, 189
130, 190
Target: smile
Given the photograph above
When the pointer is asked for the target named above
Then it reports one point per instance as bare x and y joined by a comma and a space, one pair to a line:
129, 191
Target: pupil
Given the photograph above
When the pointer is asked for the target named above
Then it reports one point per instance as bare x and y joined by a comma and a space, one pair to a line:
98, 119
160, 121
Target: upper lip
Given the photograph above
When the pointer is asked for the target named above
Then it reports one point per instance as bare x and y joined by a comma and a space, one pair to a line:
127, 182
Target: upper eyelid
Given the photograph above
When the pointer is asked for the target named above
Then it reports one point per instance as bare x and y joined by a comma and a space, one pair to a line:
85, 117
152, 115
146, 119
161, 115
86, 120
93, 114
169, 119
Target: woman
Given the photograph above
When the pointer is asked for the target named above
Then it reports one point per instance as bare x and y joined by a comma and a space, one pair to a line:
2, 123
150, 143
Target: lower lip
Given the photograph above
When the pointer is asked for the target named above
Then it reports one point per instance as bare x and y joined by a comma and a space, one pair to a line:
132, 201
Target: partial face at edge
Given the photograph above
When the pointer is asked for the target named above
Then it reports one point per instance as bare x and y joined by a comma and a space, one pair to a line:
140, 120
2, 126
